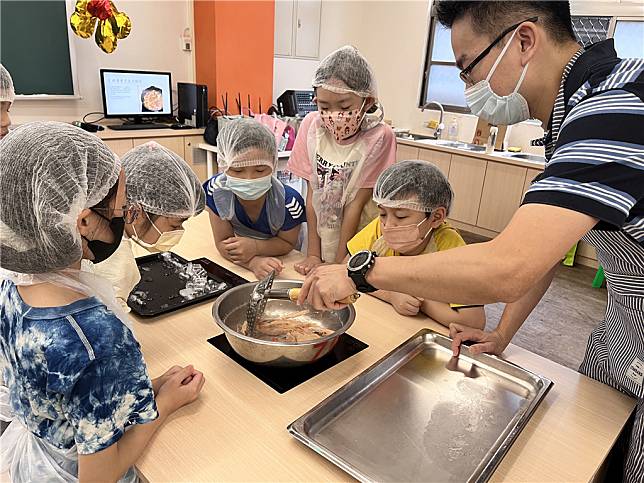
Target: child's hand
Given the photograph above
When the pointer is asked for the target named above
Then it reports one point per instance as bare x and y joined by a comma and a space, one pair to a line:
308, 264
181, 388
405, 304
239, 249
262, 266
157, 382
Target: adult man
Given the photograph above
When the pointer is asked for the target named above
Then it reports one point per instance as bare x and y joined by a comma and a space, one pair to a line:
520, 60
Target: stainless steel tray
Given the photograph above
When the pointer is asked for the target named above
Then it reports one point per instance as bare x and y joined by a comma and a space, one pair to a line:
421, 415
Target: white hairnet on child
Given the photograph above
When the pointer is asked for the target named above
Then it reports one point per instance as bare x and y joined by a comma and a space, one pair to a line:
413, 184
346, 71
50, 172
161, 182
246, 142
7, 93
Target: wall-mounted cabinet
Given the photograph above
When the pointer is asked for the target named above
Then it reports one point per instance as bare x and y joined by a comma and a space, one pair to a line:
297, 28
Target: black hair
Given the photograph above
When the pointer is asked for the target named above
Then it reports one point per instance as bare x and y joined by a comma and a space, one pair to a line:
491, 17
104, 204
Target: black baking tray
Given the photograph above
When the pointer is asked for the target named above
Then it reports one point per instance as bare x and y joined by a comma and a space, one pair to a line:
162, 285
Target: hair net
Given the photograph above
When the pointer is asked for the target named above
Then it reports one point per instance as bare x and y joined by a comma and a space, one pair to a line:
50, 172
413, 184
346, 71
7, 93
246, 142
161, 182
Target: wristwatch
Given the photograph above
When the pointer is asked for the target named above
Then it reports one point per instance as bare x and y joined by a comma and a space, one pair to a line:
359, 264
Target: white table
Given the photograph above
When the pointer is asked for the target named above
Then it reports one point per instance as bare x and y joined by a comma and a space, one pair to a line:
211, 157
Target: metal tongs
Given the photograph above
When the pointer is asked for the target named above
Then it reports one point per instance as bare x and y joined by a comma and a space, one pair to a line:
263, 291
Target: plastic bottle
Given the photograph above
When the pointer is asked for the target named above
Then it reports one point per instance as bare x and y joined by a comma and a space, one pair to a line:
491, 140
452, 130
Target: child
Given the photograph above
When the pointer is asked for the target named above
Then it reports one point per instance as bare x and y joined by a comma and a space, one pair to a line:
166, 192
254, 217
7, 96
83, 405
414, 198
340, 150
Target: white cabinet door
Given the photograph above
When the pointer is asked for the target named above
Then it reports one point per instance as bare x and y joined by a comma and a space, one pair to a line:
307, 28
284, 17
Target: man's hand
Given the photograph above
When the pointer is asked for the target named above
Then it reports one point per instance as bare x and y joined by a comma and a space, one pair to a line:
325, 285
486, 342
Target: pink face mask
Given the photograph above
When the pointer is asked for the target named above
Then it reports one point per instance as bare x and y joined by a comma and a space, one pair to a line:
404, 238
342, 124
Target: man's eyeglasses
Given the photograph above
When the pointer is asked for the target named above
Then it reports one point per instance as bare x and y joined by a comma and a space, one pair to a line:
465, 73
130, 212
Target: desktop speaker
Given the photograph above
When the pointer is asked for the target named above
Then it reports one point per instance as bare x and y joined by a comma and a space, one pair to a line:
193, 104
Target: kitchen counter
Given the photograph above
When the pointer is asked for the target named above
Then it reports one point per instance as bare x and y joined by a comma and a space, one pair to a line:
147, 133
236, 430
496, 157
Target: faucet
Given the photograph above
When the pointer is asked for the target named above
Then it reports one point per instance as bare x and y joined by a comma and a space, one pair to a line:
441, 126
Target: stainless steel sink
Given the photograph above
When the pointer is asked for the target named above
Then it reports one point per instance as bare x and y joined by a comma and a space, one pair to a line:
455, 145
527, 156
415, 137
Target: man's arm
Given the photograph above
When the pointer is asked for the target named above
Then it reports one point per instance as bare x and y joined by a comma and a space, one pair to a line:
514, 315
501, 270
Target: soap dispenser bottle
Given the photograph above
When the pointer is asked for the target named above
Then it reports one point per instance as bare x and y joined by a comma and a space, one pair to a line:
452, 130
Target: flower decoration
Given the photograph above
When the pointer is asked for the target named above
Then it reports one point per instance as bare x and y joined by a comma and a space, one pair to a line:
112, 24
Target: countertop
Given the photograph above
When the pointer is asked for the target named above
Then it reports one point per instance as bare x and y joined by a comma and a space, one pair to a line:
236, 430
147, 133
498, 158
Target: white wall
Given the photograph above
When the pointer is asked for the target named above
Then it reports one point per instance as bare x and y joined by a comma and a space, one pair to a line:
392, 35
338, 25
153, 44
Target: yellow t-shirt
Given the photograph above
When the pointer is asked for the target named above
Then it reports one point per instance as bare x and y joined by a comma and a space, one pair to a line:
370, 238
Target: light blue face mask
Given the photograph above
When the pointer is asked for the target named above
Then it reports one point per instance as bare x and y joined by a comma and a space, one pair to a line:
248, 189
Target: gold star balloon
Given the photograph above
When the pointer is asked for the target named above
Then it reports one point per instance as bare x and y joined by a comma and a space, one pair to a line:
112, 24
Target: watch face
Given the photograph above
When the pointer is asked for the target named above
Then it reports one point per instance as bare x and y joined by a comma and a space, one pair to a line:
359, 259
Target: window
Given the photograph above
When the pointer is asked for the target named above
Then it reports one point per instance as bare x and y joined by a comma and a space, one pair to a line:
440, 77
629, 38
590, 29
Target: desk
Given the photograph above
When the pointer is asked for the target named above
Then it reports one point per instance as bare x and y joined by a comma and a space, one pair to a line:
236, 430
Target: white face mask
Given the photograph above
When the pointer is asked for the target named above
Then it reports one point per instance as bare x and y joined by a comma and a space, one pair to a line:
249, 189
496, 109
165, 242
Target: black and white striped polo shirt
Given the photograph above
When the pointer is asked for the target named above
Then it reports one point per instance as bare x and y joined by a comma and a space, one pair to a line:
597, 165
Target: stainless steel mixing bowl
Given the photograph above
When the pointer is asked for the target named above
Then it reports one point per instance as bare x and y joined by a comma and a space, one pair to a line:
229, 311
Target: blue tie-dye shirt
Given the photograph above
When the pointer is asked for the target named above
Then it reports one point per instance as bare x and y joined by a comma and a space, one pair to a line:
75, 373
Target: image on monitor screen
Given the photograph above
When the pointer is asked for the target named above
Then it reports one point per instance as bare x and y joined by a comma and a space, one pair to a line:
136, 94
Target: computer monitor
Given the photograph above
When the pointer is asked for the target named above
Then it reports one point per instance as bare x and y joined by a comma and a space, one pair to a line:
136, 94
